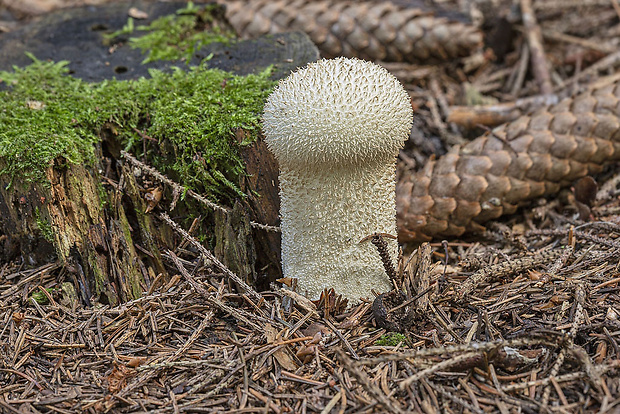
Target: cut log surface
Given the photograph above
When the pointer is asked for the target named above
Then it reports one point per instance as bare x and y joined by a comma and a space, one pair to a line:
75, 35
496, 173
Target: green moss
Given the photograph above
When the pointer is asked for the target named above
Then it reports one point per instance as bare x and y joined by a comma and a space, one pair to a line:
391, 339
177, 36
103, 195
45, 227
37, 123
40, 297
190, 117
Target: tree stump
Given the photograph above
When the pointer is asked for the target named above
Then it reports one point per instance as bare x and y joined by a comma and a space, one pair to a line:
100, 231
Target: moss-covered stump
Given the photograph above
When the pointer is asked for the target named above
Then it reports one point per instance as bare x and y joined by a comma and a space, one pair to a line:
62, 215
67, 194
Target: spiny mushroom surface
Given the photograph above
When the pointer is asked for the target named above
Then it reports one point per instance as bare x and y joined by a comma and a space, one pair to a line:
336, 127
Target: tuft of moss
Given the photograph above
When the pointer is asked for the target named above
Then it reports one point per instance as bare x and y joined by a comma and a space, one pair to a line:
40, 297
176, 36
45, 227
188, 116
391, 339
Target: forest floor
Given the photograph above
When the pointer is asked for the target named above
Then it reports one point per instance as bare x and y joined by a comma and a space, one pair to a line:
524, 318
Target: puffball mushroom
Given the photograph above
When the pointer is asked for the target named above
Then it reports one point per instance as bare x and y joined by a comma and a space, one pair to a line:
336, 127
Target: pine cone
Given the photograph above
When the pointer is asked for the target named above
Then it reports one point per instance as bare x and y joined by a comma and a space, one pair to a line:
369, 30
496, 173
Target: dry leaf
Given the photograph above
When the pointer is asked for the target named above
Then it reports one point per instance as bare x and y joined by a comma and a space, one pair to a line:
153, 197
282, 355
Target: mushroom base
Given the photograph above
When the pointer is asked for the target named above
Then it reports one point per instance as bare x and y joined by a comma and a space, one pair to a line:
326, 212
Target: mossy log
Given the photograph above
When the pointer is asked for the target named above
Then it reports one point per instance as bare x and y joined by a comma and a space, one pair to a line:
71, 216
93, 218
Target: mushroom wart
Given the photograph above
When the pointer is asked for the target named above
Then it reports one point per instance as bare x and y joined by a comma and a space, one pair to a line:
336, 127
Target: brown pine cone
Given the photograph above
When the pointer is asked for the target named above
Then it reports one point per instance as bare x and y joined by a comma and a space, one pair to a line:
496, 173
370, 30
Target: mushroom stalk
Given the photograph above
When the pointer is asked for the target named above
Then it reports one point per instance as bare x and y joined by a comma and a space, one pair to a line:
336, 127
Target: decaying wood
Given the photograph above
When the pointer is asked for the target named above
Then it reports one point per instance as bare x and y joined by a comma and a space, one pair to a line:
261, 180
370, 30
261, 185
234, 242
97, 250
241, 284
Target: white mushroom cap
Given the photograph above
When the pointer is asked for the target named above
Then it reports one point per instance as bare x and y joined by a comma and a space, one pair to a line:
337, 111
336, 127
